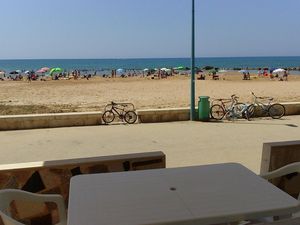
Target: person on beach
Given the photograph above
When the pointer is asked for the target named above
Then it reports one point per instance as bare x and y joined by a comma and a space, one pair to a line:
259, 73
285, 75
29, 77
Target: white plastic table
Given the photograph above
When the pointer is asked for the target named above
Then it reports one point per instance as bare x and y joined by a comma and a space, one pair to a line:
191, 195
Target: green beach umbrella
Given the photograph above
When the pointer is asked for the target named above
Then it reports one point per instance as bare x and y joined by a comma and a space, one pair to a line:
213, 71
180, 68
55, 70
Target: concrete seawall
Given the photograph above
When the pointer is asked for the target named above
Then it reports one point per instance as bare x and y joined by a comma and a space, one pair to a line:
34, 121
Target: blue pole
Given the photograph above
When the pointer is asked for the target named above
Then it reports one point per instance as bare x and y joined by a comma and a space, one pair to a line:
192, 112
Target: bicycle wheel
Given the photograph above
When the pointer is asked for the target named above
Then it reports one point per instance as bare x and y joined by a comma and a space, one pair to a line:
130, 117
276, 111
108, 116
250, 112
217, 112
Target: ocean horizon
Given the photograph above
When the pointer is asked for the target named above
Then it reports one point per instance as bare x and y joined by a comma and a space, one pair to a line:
142, 63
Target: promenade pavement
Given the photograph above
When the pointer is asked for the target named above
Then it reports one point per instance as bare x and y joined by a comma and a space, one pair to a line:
185, 143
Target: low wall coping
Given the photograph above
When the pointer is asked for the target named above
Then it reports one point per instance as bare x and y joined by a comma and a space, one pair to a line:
49, 115
68, 162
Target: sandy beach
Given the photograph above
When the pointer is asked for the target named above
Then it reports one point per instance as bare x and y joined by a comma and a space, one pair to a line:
21, 97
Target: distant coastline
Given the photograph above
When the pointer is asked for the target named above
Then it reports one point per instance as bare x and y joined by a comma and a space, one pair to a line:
230, 63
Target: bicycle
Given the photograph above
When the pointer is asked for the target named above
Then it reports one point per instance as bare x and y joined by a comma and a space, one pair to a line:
235, 110
274, 110
125, 111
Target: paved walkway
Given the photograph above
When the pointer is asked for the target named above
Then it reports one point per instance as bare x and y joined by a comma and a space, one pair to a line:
185, 143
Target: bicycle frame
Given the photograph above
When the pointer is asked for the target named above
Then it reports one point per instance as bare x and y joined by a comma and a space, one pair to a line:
119, 111
260, 104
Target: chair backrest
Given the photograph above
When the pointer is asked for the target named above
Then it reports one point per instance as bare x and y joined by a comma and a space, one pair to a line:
288, 169
10, 195
8, 220
290, 221
6, 198
285, 170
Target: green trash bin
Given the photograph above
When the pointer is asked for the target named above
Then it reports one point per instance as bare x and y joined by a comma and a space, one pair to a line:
203, 108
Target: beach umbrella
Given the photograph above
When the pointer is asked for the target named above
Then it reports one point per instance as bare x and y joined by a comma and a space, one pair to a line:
14, 72
120, 70
46, 69
166, 70
41, 71
2, 73
18, 71
180, 68
213, 71
55, 70
279, 70
146, 70
27, 72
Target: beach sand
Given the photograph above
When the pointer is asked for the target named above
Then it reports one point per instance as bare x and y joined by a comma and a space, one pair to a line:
21, 97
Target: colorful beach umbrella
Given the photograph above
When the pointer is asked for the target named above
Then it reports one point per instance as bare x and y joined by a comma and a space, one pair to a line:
45, 69
55, 70
41, 71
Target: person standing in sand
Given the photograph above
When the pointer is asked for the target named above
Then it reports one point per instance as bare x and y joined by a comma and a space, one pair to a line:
259, 73
285, 75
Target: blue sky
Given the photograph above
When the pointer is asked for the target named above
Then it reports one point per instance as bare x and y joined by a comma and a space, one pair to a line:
147, 28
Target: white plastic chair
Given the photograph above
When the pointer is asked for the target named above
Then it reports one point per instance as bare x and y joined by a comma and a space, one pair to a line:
288, 169
9, 195
291, 221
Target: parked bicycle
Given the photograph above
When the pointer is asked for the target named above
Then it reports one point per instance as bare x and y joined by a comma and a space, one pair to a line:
229, 108
125, 112
274, 110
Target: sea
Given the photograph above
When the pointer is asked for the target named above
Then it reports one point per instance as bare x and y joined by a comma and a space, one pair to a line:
99, 65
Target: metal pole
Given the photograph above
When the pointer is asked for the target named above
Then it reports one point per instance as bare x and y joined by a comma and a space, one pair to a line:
192, 113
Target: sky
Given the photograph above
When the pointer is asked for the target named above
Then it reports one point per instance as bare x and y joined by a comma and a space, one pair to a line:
50, 29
